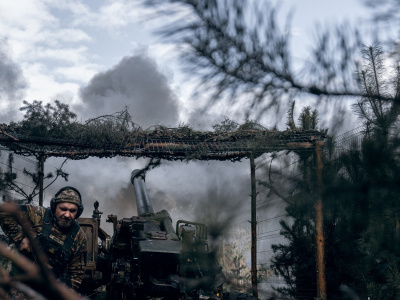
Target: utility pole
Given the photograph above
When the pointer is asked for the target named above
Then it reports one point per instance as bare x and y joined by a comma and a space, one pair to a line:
319, 225
41, 178
253, 227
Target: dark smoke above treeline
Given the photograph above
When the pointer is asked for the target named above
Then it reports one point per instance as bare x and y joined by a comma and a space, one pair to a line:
135, 82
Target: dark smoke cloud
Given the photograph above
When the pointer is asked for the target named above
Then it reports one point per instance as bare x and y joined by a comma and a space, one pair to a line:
12, 85
210, 192
137, 83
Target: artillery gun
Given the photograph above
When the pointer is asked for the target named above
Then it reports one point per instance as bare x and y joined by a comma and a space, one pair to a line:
147, 257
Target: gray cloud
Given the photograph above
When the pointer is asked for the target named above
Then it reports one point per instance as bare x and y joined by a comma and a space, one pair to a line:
12, 85
137, 83
211, 192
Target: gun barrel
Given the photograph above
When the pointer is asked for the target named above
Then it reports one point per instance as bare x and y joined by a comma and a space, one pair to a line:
142, 199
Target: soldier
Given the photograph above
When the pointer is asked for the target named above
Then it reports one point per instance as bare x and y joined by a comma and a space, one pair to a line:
57, 232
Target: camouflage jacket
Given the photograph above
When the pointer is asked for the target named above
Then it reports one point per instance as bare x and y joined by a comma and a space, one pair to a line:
76, 265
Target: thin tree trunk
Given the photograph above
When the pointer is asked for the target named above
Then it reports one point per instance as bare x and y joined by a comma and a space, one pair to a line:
319, 227
253, 227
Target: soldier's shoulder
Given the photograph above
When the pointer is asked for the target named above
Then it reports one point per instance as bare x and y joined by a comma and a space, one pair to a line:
81, 232
35, 209
81, 236
36, 213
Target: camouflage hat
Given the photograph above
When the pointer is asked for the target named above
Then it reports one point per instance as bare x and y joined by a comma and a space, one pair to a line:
68, 195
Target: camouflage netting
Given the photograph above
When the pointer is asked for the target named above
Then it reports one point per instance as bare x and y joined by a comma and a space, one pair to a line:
117, 135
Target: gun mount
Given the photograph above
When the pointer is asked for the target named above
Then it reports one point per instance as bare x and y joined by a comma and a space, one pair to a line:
147, 257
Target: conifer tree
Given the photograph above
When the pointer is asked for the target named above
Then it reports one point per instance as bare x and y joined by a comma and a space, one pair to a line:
361, 201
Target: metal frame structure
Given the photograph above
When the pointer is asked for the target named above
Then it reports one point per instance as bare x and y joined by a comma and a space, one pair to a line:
165, 144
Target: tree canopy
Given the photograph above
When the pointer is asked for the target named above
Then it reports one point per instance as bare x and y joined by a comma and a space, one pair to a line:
361, 200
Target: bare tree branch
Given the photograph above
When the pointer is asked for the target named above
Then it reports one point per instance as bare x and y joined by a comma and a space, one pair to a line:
37, 277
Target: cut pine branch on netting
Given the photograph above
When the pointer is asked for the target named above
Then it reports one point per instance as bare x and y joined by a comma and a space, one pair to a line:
109, 137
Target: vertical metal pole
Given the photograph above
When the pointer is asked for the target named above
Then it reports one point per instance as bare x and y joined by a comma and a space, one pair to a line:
41, 178
253, 227
319, 226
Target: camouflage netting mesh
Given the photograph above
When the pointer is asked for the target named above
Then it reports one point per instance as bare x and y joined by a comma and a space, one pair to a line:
117, 135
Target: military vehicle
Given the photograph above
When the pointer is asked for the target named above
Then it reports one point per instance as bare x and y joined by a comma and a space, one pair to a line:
147, 258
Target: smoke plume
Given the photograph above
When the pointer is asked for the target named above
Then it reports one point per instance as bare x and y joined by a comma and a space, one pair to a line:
12, 85
137, 83
210, 192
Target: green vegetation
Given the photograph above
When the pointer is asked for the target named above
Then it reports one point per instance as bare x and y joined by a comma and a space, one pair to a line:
361, 199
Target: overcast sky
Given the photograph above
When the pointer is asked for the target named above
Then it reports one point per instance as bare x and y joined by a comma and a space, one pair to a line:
99, 56
57, 49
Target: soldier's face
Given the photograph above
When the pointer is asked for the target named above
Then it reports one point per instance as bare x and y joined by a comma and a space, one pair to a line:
65, 214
